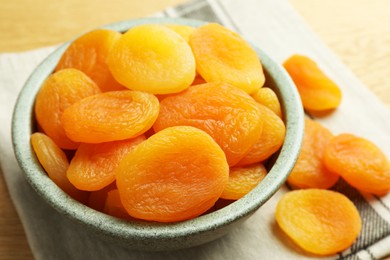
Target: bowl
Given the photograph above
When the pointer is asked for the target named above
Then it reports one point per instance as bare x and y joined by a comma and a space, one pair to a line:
156, 236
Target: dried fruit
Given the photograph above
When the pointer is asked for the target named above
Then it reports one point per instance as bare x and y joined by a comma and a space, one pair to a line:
223, 56
322, 222
360, 162
113, 205
58, 92
184, 31
270, 141
176, 174
318, 92
110, 116
152, 58
242, 180
309, 170
93, 166
55, 163
225, 112
268, 98
89, 53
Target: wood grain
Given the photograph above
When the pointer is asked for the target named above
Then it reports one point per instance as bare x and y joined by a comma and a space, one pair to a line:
356, 30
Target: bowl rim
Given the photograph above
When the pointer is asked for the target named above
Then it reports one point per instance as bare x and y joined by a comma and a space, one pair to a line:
22, 126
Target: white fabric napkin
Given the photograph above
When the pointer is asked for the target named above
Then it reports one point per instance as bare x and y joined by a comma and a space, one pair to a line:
276, 28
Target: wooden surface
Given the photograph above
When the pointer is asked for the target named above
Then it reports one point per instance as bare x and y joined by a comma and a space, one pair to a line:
356, 30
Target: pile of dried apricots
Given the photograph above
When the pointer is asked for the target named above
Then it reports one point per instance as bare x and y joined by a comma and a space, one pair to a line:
157, 123
166, 122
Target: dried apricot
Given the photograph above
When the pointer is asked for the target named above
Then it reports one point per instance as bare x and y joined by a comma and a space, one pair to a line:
309, 170
152, 58
93, 166
55, 163
113, 205
270, 140
184, 31
225, 112
89, 53
58, 92
360, 162
176, 174
320, 221
242, 180
317, 91
97, 199
223, 56
268, 98
110, 116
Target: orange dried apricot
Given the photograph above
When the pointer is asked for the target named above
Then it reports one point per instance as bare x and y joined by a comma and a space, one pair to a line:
225, 112
242, 180
58, 92
176, 174
97, 199
110, 116
223, 56
360, 162
268, 98
184, 31
309, 170
55, 163
93, 166
152, 58
317, 91
89, 53
270, 140
114, 207
320, 221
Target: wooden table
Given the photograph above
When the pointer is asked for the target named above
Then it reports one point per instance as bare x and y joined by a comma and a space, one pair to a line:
357, 31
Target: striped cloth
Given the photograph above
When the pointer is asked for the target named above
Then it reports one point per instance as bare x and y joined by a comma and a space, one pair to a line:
276, 28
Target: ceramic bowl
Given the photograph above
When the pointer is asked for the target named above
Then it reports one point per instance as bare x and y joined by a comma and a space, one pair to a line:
155, 236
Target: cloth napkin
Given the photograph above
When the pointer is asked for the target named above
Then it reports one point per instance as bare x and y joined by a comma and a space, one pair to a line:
276, 28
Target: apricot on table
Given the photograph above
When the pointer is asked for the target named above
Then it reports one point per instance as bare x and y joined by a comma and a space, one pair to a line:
309, 170
360, 162
317, 91
319, 221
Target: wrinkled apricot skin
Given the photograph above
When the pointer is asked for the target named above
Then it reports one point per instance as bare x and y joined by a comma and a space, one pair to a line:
176, 174
89, 53
360, 162
110, 116
321, 222
225, 112
223, 56
317, 91
309, 170
270, 140
58, 92
55, 163
152, 58
268, 98
242, 180
93, 166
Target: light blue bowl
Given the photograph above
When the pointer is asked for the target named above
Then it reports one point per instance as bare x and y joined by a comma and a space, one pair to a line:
155, 236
